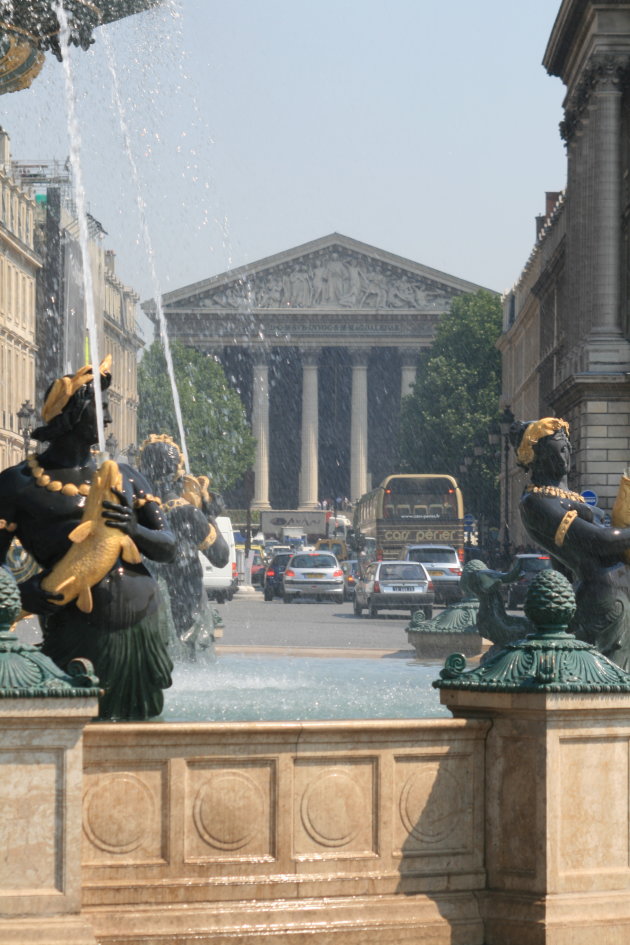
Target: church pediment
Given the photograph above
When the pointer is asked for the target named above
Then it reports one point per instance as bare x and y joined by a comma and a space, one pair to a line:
332, 274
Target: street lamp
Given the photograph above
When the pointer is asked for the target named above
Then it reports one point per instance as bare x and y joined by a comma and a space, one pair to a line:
505, 424
132, 454
111, 445
25, 415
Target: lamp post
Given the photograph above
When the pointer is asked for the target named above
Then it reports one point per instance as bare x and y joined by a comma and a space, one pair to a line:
132, 454
505, 423
25, 415
111, 445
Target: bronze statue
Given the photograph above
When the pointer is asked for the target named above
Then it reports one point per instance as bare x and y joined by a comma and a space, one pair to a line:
118, 621
190, 509
576, 538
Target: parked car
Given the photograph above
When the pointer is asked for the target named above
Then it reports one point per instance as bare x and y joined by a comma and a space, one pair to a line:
531, 565
443, 566
257, 571
221, 584
274, 572
350, 570
394, 585
313, 574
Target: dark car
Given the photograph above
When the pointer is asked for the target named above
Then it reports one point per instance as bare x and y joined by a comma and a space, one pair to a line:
530, 566
258, 569
274, 572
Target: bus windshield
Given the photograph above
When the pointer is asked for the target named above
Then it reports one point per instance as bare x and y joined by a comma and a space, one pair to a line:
420, 497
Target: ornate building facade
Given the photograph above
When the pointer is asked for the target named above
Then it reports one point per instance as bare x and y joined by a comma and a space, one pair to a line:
322, 342
566, 339
42, 311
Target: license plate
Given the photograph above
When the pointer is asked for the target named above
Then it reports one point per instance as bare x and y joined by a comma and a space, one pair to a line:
435, 573
405, 588
315, 574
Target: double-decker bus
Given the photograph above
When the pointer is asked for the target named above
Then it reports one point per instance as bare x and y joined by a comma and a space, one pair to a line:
411, 509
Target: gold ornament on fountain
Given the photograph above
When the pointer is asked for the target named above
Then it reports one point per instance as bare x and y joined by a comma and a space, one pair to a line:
95, 546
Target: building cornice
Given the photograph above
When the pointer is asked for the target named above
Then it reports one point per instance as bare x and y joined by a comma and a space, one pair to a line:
576, 388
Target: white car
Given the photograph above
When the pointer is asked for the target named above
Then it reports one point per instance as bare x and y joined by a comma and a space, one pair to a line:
313, 574
221, 584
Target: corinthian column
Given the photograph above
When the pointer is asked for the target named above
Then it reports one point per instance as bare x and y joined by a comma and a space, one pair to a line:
260, 430
606, 237
359, 424
309, 484
409, 360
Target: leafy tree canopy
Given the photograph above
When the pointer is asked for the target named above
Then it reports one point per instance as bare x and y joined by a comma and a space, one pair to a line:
455, 398
218, 438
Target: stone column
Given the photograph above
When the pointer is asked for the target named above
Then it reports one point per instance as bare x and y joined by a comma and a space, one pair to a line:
309, 483
606, 235
359, 424
409, 361
594, 232
260, 430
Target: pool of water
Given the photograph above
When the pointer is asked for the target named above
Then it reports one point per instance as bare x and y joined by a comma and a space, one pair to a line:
260, 688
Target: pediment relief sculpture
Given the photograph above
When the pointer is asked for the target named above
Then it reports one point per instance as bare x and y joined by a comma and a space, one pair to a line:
330, 279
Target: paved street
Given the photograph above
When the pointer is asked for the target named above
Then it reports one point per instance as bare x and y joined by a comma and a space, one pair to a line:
252, 622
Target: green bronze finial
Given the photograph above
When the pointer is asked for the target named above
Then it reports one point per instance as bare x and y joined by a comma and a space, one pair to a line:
548, 660
24, 670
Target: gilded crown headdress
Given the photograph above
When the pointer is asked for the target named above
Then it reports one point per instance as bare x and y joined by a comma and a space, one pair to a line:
535, 432
65, 387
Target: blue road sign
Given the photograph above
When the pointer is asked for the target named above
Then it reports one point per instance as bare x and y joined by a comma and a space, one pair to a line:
469, 519
589, 496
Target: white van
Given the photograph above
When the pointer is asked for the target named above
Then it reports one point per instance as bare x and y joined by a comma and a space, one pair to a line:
221, 584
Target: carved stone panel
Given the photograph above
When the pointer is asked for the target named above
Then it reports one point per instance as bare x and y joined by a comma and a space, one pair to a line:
434, 799
331, 278
124, 821
593, 794
334, 808
32, 855
230, 811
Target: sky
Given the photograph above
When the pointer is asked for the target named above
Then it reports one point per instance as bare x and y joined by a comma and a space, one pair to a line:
211, 135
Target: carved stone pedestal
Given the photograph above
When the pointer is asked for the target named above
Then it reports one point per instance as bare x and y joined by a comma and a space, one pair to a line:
557, 817
557, 781
41, 779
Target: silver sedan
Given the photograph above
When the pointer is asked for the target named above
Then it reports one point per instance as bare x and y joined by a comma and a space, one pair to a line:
394, 585
313, 574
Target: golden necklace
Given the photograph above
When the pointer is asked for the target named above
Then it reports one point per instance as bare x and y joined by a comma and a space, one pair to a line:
43, 480
555, 492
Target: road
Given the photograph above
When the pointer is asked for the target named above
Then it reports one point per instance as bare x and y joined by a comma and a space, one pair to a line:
252, 622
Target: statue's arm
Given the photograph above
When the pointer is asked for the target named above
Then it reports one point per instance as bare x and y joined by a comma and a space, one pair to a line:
8, 513
143, 521
563, 522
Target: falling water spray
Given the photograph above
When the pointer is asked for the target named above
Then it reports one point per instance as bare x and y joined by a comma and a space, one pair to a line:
148, 245
79, 199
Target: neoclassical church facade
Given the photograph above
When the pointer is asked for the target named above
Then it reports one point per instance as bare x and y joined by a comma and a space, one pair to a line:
322, 342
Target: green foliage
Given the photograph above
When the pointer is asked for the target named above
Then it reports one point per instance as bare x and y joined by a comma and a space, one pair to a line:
218, 438
454, 401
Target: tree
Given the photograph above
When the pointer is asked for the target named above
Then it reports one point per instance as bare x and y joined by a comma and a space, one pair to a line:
218, 439
454, 401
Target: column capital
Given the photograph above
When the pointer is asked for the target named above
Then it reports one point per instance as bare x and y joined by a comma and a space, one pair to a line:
359, 356
261, 356
409, 356
605, 72
310, 356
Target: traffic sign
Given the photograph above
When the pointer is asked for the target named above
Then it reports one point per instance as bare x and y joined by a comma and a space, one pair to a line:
469, 519
589, 496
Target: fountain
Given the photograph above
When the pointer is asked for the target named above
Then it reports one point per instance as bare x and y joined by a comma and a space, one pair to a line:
506, 821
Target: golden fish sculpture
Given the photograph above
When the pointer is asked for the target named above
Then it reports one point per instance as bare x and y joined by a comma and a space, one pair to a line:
620, 515
95, 546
